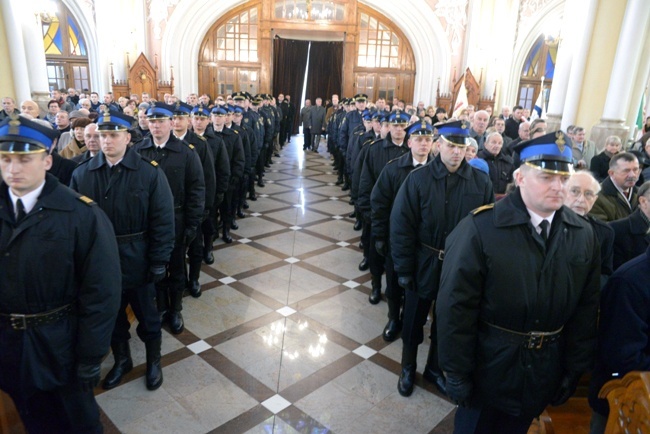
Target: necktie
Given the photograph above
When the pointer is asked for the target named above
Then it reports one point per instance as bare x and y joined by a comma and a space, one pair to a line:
417, 165
20, 210
544, 233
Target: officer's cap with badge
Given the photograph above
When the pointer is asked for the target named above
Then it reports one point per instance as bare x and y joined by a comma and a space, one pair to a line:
182, 109
454, 132
366, 115
219, 110
257, 100
238, 110
377, 115
19, 135
361, 97
398, 117
159, 110
240, 96
111, 120
200, 111
420, 128
550, 153
230, 108
350, 101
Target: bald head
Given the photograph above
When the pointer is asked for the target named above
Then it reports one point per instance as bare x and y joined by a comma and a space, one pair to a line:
29, 107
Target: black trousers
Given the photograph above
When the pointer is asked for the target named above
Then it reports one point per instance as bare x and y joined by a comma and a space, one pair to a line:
375, 259
307, 134
143, 302
175, 280
195, 249
283, 132
393, 290
416, 310
242, 189
226, 207
487, 420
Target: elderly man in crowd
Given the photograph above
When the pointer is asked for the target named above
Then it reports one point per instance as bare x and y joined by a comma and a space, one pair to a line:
619, 194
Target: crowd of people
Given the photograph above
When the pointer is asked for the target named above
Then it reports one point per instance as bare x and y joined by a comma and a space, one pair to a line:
480, 222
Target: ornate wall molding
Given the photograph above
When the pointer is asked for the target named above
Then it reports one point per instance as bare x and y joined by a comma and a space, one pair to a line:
453, 18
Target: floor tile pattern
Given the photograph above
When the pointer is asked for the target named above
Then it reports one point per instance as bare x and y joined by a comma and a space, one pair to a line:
282, 339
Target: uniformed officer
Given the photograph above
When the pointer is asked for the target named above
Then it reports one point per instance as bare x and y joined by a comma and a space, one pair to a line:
390, 179
235, 151
61, 283
255, 105
180, 125
379, 154
269, 122
427, 207
248, 141
250, 120
184, 172
135, 195
518, 299
351, 120
200, 122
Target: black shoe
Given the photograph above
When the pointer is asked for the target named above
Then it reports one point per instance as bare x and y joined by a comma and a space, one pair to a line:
364, 265
226, 237
252, 197
267, 165
240, 215
260, 183
276, 155
208, 257
361, 245
406, 380
345, 187
358, 225
195, 288
154, 376
375, 295
353, 214
123, 365
245, 205
392, 329
234, 226
351, 201
339, 181
436, 377
176, 324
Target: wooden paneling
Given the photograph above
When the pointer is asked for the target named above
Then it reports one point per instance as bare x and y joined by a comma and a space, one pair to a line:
142, 77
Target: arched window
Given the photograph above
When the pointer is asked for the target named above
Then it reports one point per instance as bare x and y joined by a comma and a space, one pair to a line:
385, 65
539, 63
314, 10
65, 52
229, 58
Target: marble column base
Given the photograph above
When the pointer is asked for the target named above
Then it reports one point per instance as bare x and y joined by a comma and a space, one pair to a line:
41, 98
606, 128
553, 122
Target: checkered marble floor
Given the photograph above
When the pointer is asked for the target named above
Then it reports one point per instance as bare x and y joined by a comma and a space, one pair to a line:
283, 339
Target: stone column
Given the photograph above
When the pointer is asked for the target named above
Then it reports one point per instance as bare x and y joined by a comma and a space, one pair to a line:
626, 66
32, 38
17, 56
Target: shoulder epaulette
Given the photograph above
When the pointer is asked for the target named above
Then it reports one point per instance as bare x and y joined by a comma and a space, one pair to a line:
480, 209
191, 146
85, 199
235, 131
154, 163
202, 138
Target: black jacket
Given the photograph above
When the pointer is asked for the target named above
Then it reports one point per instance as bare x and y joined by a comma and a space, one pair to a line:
379, 154
137, 200
496, 271
62, 168
427, 208
348, 123
200, 145
246, 145
630, 237
384, 192
599, 166
501, 168
221, 162
62, 252
182, 167
605, 235
236, 156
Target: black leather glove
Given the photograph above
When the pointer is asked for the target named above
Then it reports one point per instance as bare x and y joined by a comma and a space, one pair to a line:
218, 198
189, 235
381, 247
206, 214
459, 389
406, 282
88, 375
567, 387
157, 273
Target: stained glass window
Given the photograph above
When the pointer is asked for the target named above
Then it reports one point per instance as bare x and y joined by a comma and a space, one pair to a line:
52, 40
77, 45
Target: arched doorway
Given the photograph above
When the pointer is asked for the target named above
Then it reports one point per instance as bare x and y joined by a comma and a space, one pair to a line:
235, 53
539, 66
66, 51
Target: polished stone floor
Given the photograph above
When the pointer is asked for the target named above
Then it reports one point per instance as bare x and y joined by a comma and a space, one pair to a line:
283, 339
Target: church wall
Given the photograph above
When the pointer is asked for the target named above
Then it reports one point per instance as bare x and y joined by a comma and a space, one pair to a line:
6, 74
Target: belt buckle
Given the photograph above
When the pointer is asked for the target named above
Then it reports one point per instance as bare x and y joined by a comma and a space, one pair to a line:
535, 340
18, 321
441, 255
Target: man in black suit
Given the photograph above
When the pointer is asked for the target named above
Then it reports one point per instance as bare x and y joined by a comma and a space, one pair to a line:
631, 233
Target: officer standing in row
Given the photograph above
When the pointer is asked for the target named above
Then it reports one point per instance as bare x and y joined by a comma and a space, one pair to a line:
182, 166
430, 203
61, 283
352, 119
251, 122
517, 325
135, 195
381, 202
180, 128
379, 154
248, 141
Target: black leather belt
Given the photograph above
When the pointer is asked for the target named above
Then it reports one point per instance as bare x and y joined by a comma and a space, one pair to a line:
440, 253
124, 239
20, 321
531, 340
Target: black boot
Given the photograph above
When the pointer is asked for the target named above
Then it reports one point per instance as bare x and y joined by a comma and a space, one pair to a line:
407, 376
363, 265
358, 225
347, 183
352, 215
208, 256
234, 225
226, 234
394, 325
432, 372
252, 196
194, 286
162, 302
240, 214
260, 183
176, 324
245, 206
339, 181
375, 294
154, 376
123, 365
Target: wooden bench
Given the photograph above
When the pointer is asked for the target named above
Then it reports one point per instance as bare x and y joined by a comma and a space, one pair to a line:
629, 403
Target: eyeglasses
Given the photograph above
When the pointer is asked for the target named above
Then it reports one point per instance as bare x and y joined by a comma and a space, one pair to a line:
576, 192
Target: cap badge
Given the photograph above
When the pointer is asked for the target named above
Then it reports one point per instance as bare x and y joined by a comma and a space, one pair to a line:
107, 116
463, 125
14, 124
560, 142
